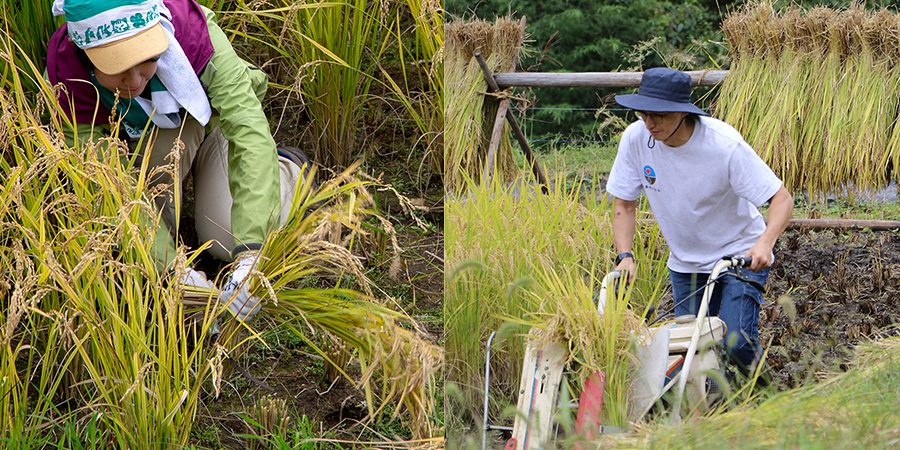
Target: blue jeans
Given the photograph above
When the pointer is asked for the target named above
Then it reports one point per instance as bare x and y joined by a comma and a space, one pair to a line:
734, 301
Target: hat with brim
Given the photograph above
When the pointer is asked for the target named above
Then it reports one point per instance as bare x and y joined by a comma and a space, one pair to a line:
123, 54
662, 90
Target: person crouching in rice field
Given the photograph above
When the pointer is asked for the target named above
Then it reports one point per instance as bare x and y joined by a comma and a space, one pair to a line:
704, 184
167, 64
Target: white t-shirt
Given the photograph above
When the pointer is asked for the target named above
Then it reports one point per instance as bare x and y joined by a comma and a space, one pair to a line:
704, 194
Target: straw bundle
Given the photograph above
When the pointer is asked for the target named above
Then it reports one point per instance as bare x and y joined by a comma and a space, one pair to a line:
469, 117
808, 90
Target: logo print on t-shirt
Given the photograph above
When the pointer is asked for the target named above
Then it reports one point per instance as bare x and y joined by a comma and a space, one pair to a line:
649, 174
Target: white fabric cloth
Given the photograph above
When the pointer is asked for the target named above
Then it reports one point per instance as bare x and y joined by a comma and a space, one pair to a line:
704, 194
177, 75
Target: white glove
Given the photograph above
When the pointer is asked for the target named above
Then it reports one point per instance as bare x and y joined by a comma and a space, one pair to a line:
192, 277
236, 293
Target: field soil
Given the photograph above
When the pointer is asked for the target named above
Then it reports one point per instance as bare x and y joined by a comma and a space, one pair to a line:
828, 291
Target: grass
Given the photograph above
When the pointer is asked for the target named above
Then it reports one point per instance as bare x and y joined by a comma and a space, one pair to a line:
849, 410
846, 209
573, 163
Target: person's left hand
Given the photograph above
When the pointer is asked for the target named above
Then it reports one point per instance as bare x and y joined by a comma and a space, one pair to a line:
236, 292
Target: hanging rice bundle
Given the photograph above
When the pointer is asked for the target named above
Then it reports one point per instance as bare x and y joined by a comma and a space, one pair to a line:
469, 118
811, 91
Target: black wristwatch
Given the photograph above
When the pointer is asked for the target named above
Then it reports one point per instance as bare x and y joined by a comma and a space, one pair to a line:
622, 256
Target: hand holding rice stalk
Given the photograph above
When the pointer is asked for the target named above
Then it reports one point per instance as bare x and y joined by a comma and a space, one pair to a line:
314, 243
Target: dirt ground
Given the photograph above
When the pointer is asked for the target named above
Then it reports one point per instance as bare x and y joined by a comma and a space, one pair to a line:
836, 289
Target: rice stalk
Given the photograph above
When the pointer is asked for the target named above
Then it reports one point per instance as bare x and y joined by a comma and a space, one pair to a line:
329, 51
595, 342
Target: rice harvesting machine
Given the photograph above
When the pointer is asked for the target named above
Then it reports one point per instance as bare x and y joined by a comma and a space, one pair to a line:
663, 353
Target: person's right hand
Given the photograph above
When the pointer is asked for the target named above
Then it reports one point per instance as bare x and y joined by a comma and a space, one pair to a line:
236, 292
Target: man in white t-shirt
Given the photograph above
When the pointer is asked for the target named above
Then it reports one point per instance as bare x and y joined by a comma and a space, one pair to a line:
704, 184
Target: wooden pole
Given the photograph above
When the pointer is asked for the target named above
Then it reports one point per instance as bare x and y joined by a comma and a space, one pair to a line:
496, 134
838, 224
596, 79
514, 126
819, 224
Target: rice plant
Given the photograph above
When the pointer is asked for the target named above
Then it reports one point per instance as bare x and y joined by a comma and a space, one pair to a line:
32, 24
75, 223
567, 312
94, 332
806, 89
426, 107
329, 52
518, 259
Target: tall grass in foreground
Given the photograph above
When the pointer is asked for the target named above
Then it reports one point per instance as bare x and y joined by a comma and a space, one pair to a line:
93, 333
329, 53
520, 260
83, 291
807, 90
469, 116
856, 409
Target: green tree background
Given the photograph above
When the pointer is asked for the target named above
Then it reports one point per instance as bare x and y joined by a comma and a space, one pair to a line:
606, 36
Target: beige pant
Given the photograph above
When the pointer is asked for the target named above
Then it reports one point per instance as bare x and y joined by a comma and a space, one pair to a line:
207, 154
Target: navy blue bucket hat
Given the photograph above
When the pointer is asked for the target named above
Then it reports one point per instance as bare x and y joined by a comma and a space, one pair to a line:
662, 90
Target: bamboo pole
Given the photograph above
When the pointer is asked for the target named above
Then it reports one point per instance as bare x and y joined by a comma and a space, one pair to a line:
514, 125
596, 79
496, 135
819, 224
497, 132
